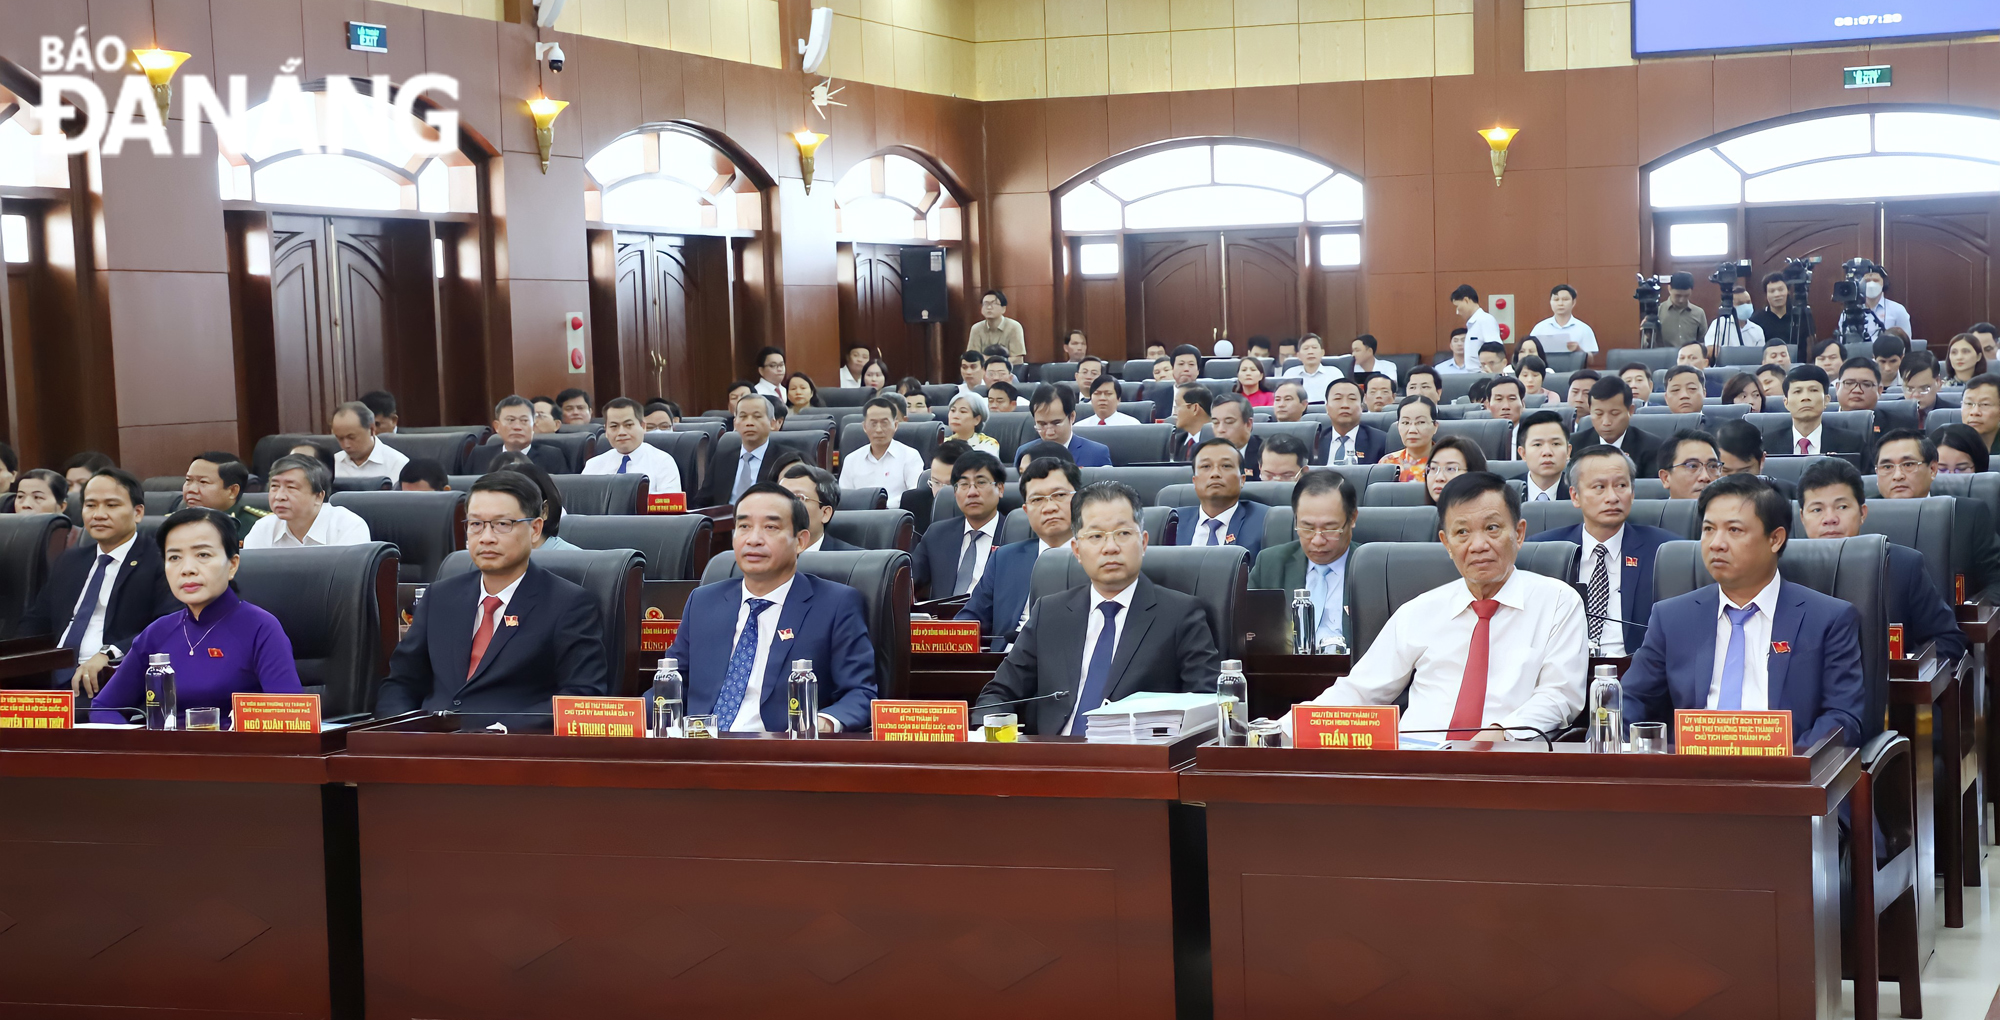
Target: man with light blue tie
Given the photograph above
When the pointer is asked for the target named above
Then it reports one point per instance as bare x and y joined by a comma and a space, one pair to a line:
1752, 641
1222, 518
757, 417
1323, 517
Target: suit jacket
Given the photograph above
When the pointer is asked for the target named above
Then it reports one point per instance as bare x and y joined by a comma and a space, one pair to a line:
919, 501
1002, 591
1833, 439
139, 595
1088, 453
1165, 645
828, 624
1181, 446
546, 454
1282, 567
934, 562
1642, 448
828, 543
1915, 603
1562, 488
1635, 579
1982, 560
1246, 526
555, 646
1253, 455
1370, 443
1818, 679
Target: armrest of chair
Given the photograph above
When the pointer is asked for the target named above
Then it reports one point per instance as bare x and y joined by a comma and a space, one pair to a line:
1880, 752
1892, 780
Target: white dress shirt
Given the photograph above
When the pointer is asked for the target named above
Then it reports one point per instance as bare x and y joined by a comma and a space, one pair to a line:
662, 473
1201, 525
384, 461
991, 529
1028, 605
750, 716
1611, 643
1117, 418
1480, 328
899, 468
1093, 632
1812, 438
1316, 382
756, 457
770, 389
1333, 450
335, 525
506, 597
1451, 366
1885, 314
1380, 367
848, 380
1537, 655
1731, 333
1756, 648
1556, 336
93, 632
1549, 494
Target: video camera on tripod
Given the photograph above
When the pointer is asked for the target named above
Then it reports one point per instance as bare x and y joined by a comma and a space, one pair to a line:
1799, 327
1853, 303
1648, 296
1726, 277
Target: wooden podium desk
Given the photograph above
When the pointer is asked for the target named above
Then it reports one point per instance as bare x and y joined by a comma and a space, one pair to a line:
182, 874
528, 876
1522, 882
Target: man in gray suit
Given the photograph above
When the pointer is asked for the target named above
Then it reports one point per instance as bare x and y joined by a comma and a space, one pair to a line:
1323, 517
1099, 642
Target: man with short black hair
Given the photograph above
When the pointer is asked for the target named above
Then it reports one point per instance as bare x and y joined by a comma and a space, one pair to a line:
1323, 513
1283, 459
1740, 448
1105, 397
423, 474
1054, 411
1639, 379
953, 554
1424, 381
770, 373
1288, 400
362, 454
1692, 353
1779, 353
1906, 468
884, 463
383, 403
1579, 392
1920, 382
816, 488
1685, 388
994, 328
102, 592
1312, 370
574, 403
1611, 425
1544, 446
630, 453
1378, 392
514, 430
1682, 321
1075, 346
1459, 363
1979, 407
1560, 328
1363, 347
1505, 398
1347, 441
998, 370
1889, 352
661, 415
1191, 419
1481, 328
1833, 505
1493, 357
548, 418
1808, 433
1088, 371
300, 514
215, 480
1616, 568
1737, 330
1187, 364
1229, 419
1222, 517
971, 371
1000, 600
1690, 461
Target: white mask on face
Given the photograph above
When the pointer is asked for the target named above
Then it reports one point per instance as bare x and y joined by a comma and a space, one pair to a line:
1743, 313
1872, 288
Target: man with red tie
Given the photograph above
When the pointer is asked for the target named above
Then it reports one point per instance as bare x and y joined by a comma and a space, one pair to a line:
505, 638
1496, 650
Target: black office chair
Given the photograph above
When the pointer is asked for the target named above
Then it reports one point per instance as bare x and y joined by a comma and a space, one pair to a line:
1386, 524
1134, 444
162, 483
160, 503
362, 483
876, 498
1394, 494
1675, 515
1361, 476
1663, 426
1648, 488
727, 455
1926, 525
272, 447
874, 529
338, 608
425, 527
882, 576
479, 432
1146, 481
1654, 358
1494, 435
1381, 576
1512, 470
602, 494
1010, 429
1791, 469
1307, 432
29, 545
689, 447
451, 449
835, 397
614, 577
673, 544
1217, 578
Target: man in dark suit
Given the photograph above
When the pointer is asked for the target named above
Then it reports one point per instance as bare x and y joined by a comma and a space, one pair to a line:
1000, 600
1545, 449
1752, 641
738, 638
1741, 449
1832, 505
1906, 468
820, 492
954, 553
1102, 641
1806, 389
1054, 411
1611, 425
1222, 518
921, 501
1616, 568
103, 592
1229, 418
503, 639
1191, 420
514, 431
1323, 511
1347, 437
1504, 400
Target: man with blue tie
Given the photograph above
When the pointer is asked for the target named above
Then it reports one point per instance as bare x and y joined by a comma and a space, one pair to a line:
757, 417
625, 430
1054, 411
954, 553
1348, 441
1617, 564
101, 594
1000, 600
1222, 518
738, 638
1752, 641
1323, 508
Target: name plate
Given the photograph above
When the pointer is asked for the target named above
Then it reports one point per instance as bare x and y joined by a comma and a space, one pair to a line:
599, 717
1352, 727
944, 635
656, 632
928, 721
1895, 641
274, 713
1733, 734
37, 710
666, 503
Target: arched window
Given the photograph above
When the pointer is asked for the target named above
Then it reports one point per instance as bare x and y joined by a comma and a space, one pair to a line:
892, 197
669, 178
340, 150
1851, 156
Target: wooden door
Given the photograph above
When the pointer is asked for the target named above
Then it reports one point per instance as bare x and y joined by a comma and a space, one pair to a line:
878, 315
334, 302
1175, 290
1835, 233
1940, 257
1261, 284
652, 317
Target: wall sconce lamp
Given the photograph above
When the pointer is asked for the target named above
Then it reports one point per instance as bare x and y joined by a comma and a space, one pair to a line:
808, 143
160, 66
1497, 139
545, 111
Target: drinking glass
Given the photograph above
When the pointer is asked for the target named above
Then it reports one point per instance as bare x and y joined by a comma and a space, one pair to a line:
1266, 733
1001, 727
1649, 738
701, 726
204, 718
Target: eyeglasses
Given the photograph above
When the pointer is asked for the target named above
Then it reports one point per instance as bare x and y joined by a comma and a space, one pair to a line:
1700, 467
1863, 385
1311, 533
969, 484
1047, 498
1897, 467
1446, 470
1123, 536
502, 528
1921, 391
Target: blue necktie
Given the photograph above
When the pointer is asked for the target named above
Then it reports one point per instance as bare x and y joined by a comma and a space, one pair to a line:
1730, 699
1213, 527
746, 476
1340, 452
736, 683
1320, 582
624, 462
73, 637
1100, 664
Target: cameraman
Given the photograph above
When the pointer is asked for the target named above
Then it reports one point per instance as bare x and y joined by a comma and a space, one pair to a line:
1882, 312
1738, 330
1777, 305
1681, 321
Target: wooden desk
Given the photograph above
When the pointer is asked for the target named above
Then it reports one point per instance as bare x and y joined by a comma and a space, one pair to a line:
174, 874
1522, 883
537, 876
27, 662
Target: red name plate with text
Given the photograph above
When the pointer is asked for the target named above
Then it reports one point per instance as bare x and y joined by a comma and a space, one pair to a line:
600, 717
37, 710
927, 721
274, 713
656, 632
1733, 734
1895, 641
666, 503
944, 635
1351, 727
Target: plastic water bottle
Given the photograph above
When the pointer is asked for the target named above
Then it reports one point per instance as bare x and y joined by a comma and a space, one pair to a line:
802, 701
667, 701
1604, 719
161, 700
1305, 623
1232, 706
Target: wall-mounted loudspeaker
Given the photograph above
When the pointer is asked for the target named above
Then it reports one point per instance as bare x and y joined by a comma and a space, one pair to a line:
924, 296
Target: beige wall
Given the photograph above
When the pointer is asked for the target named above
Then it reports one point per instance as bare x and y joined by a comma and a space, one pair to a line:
1564, 34
740, 30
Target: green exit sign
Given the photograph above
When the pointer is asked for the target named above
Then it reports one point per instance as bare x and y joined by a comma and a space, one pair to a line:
1877, 77
367, 38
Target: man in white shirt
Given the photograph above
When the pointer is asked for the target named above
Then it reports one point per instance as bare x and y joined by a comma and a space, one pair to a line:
1545, 447
1481, 327
1883, 312
1561, 331
1808, 432
856, 363
771, 372
1000, 600
1500, 648
362, 454
630, 453
884, 463
1187, 364
300, 514
1363, 348
1737, 330
1459, 363
1104, 398
1312, 369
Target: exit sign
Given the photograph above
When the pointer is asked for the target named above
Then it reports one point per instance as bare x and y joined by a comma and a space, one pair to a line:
367, 38
1877, 77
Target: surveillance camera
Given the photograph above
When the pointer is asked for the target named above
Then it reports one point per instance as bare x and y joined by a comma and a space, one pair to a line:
553, 53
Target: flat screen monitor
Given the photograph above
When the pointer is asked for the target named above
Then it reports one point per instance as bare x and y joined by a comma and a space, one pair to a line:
1662, 27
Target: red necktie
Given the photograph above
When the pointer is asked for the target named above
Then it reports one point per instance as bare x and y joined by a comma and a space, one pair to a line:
1467, 715
484, 635
1805, 447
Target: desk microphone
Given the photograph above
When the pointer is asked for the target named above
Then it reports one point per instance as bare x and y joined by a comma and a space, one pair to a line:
1583, 589
1023, 701
1546, 739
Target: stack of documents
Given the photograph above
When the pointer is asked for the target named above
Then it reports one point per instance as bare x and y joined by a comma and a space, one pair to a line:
1150, 718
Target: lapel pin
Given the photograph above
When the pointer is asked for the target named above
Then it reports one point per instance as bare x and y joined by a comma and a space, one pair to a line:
785, 635
1631, 561
1228, 539
215, 653
1780, 647
513, 621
